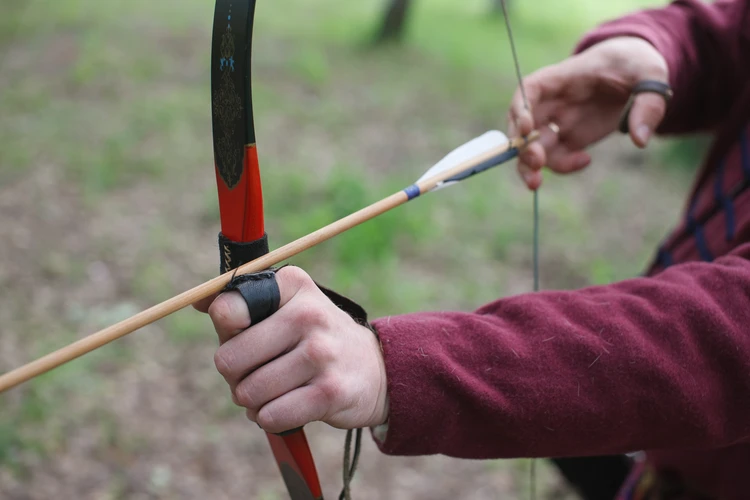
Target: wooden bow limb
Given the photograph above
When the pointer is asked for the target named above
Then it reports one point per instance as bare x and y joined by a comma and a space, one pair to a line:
216, 285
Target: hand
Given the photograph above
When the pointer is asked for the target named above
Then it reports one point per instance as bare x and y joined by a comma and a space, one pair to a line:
308, 361
584, 96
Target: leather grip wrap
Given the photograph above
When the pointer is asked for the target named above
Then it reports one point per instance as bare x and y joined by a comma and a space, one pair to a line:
235, 254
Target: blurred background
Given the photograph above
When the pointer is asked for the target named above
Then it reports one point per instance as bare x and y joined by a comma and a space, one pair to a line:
108, 205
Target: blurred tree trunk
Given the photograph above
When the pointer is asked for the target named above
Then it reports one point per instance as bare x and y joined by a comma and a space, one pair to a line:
394, 21
392, 28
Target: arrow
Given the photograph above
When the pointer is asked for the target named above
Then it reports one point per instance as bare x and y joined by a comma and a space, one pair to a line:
474, 157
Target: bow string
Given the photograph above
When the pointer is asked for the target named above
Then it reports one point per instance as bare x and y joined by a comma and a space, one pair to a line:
535, 201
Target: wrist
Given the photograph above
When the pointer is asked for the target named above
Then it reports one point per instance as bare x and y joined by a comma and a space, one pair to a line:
629, 59
381, 412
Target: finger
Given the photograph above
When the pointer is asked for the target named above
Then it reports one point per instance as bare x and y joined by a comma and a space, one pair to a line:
252, 415
273, 380
203, 304
534, 157
525, 99
245, 352
520, 119
532, 178
564, 161
511, 125
540, 86
266, 292
529, 166
294, 409
229, 315
293, 281
645, 116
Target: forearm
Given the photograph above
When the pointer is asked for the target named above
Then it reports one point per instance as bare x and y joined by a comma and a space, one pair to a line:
642, 364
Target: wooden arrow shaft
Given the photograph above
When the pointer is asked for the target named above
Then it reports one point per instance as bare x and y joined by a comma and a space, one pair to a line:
216, 285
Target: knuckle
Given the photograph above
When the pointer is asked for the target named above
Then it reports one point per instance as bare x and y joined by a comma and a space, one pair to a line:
655, 68
224, 312
295, 275
244, 395
310, 313
532, 83
317, 351
528, 160
267, 420
219, 309
529, 83
224, 359
331, 390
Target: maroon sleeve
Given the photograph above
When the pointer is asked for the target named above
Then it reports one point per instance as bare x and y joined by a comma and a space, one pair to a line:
704, 45
647, 363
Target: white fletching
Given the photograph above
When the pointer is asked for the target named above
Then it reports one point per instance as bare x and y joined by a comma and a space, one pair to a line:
475, 147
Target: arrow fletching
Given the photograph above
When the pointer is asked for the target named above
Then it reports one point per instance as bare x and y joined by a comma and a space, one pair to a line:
476, 147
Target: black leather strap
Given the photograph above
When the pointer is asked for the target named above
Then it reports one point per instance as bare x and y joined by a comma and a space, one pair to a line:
260, 291
655, 86
354, 310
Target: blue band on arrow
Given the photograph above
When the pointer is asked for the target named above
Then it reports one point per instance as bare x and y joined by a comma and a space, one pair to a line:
412, 191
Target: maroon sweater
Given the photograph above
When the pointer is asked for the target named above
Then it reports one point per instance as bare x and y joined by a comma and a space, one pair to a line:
658, 363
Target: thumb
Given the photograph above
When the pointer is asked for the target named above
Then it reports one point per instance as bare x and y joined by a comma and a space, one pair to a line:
251, 298
292, 281
646, 114
203, 304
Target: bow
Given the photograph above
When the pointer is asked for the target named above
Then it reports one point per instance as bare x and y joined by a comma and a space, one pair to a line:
243, 238
243, 242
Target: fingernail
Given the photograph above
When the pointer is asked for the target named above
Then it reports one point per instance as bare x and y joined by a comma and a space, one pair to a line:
643, 132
